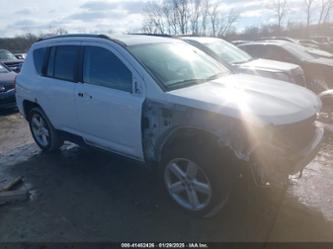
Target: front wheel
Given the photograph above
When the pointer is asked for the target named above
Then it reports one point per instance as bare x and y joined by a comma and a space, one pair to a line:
197, 179
44, 134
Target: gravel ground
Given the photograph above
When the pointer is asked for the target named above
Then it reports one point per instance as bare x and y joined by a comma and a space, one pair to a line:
83, 195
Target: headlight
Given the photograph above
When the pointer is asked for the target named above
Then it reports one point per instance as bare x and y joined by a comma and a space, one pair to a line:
281, 76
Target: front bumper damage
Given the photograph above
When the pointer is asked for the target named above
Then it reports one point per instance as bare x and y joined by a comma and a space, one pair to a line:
274, 164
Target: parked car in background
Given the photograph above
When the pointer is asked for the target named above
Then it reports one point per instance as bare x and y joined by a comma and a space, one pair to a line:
237, 42
318, 71
316, 52
242, 62
325, 42
169, 105
20, 56
7, 88
10, 60
309, 43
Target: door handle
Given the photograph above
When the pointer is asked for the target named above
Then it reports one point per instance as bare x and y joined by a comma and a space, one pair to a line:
84, 94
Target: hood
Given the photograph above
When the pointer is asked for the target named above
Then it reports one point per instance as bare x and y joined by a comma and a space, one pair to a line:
7, 78
267, 65
322, 61
254, 98
320, 53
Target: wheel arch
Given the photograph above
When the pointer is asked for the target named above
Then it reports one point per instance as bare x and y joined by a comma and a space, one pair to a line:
28, 106
186, 135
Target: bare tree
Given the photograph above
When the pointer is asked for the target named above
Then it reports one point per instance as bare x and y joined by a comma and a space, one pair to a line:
214, 16
205, 12
187, 16
231, 18
281, 10
309, 9
221, 22
326, 7
154, 22
195, 14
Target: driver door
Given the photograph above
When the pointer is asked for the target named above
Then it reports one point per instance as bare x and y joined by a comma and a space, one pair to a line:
109, 110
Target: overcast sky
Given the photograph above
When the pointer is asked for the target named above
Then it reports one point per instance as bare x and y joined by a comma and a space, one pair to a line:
102, 16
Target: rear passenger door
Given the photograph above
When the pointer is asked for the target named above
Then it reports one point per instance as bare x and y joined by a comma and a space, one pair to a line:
109, 111
60, 77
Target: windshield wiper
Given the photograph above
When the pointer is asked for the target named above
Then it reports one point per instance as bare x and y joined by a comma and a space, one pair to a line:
186, 82
213, 77
193, 81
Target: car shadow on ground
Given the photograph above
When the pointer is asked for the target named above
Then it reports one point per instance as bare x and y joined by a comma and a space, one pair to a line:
7, 112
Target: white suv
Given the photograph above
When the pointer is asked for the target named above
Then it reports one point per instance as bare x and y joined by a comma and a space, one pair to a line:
171, 106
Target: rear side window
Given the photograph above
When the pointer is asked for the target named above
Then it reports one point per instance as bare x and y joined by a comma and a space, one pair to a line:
103, 68
255, 51
39, 56
63, 62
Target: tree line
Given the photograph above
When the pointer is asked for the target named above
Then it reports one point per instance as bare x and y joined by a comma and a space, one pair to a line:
183, 17
215, 18
22, 43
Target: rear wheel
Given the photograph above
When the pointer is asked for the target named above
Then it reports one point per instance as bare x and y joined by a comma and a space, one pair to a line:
44, 134
197, 178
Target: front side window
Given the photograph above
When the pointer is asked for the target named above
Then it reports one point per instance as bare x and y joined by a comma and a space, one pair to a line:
63, 61
102, 68
176, 64
254, 50
278, 53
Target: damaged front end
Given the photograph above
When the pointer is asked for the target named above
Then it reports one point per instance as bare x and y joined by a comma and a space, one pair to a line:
272, 152
287, 151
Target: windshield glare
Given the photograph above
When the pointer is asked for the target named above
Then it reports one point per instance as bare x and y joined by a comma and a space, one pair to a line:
177, 64
5, 55
228, 52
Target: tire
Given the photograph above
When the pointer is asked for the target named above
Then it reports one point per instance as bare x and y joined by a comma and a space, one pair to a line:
43, 132
212, 181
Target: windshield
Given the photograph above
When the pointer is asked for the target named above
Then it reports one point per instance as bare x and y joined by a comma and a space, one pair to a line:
177, 64
3, 69
298, 51
5, 55
228, 52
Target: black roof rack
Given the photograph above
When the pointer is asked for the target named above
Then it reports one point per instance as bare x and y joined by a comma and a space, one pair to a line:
75, 35
83, 35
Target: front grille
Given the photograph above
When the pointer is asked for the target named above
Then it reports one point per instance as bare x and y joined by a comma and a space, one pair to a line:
15, 66
296, 136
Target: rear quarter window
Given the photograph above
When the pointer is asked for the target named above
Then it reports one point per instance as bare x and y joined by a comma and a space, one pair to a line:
39, 55
63, 62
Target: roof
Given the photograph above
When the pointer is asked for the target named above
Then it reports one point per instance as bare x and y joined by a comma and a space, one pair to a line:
200, 39
265, 42
125, 40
